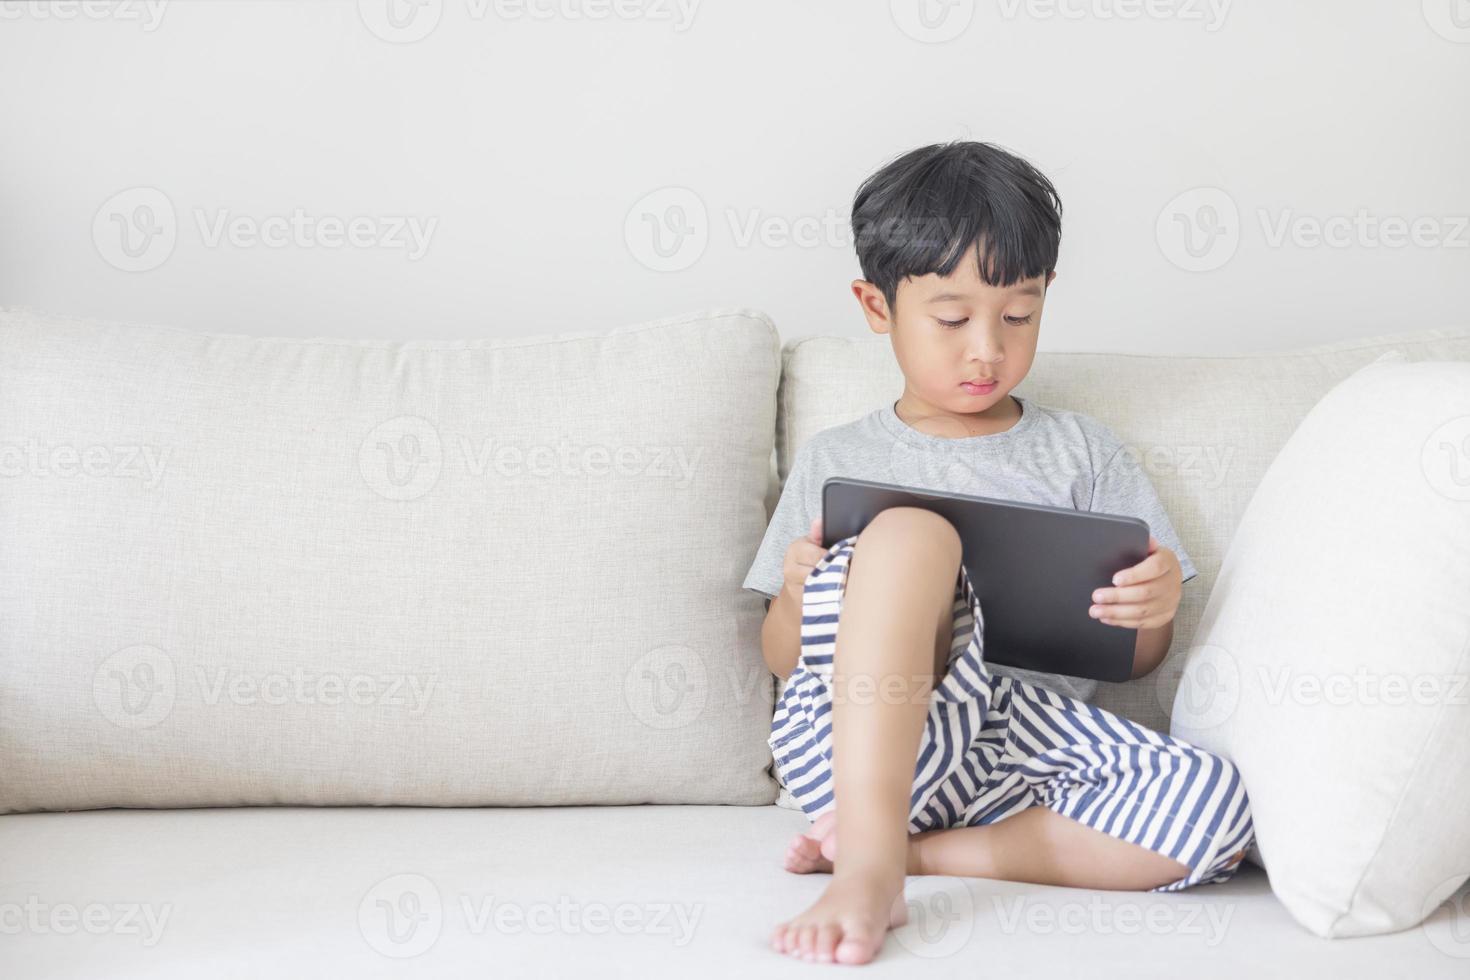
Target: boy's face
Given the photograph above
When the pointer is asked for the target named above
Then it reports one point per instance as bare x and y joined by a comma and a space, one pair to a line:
954, 329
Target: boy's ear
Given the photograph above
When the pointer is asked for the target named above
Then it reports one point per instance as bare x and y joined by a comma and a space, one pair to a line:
874, 306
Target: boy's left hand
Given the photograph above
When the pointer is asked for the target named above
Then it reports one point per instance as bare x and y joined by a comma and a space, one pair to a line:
1146, 595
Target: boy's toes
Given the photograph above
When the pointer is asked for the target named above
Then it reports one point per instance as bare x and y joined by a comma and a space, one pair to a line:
805, 856
827, 938
859, 944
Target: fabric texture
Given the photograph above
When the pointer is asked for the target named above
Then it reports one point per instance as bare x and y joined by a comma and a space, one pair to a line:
637, 892
1049, 456
1332, 663
240, 570
1204, 428
994, 746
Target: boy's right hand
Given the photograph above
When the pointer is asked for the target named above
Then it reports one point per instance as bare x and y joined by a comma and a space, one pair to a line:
800, 557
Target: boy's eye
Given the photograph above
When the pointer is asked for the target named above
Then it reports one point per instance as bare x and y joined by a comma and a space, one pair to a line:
1019, 321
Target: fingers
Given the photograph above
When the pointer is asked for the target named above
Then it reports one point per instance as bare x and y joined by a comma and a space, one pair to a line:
1156, 564
1142, 592
803, 556
1132, 616
806, 552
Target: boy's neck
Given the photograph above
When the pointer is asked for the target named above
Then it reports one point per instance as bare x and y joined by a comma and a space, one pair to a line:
919, 414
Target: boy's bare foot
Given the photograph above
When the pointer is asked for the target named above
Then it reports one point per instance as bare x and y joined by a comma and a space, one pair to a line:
849, 922
814, 849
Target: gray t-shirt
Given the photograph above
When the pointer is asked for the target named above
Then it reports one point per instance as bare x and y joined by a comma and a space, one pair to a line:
1050, 456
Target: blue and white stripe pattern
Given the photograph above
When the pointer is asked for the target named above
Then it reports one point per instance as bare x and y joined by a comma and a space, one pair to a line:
993, 746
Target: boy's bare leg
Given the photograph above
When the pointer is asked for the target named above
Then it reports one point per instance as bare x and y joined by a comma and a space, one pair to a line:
1041, 846
898, 596
1037, 845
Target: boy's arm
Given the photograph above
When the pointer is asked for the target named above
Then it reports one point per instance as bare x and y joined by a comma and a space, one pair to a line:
1150, 648
781, 634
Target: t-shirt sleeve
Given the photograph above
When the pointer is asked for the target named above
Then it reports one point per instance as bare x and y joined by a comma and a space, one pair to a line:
793, 517
1122, 487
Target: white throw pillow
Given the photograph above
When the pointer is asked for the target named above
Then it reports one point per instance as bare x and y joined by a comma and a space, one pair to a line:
1331, 661
240, 570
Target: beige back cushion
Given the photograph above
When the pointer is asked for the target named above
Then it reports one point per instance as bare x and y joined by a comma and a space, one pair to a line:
237, 570
1204, 429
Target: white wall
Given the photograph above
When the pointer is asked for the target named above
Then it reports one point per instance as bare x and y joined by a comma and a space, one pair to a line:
527, 146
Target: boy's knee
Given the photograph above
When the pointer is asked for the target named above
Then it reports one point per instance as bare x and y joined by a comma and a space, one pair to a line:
910, 525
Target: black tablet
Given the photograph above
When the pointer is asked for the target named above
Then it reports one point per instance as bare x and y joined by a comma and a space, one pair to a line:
1033, 567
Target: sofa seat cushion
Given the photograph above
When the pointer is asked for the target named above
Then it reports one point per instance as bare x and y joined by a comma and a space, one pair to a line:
638, 891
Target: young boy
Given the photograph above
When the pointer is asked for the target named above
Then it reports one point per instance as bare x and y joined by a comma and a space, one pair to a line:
1017, 776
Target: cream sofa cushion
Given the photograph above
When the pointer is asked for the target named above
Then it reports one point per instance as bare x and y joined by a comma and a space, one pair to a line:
237, 570
1331, 663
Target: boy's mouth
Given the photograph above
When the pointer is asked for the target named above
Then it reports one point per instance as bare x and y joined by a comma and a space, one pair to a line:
981, 386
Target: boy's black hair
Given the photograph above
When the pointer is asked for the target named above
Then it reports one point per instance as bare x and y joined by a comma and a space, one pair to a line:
922, 211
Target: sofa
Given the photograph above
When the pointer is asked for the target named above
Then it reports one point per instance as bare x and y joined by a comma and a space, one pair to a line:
430, 658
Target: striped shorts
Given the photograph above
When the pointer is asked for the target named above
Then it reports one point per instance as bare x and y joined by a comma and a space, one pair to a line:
993, 746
